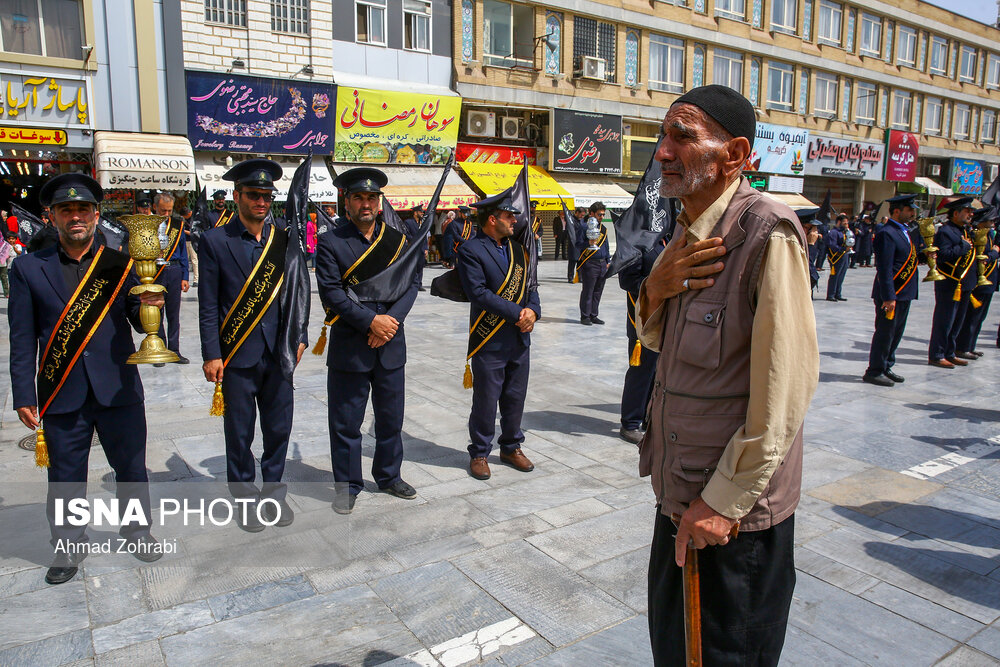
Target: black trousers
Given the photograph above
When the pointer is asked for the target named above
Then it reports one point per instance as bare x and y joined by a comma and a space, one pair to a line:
571, 261
973, 323
886, 339
746, 592
835, 283
499, 378
592, 278
948, 317
638, 385
561, 245
171, 279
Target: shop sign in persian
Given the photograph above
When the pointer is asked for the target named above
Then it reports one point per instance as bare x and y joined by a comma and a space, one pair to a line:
381, 126
488, 154
38, 136
586, 142
966, 177
901, 156
842, 158
248, 114
778, 150
44, 100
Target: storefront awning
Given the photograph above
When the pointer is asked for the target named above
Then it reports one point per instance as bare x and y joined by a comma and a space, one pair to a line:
792, 200
135, 161
588, 189
211, 169
931, 186
493, 178
411, 186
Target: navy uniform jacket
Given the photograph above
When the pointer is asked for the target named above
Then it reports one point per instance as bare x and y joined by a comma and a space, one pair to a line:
453, 233
630, 279
38, 295
952, 246
181, 254
336, 252
582, 242
892, 248
836, 240
482, 268
223, 267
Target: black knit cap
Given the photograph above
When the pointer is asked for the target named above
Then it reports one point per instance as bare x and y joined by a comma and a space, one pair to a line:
726, 107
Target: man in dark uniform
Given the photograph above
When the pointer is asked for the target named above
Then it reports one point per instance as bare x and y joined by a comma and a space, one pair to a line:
982, 295
836, 249
573, 227
864, 241
219, 215
95, 389
592, 264
412, 227
143, 206
367, 341
642, 360
493, 270
458, 232
896, 285
237, 261
559, 234
174, 274
955, 260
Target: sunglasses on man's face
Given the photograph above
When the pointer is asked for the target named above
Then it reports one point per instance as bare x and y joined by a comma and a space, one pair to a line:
254, 196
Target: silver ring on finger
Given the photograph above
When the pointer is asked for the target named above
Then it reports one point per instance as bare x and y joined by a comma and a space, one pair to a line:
685, 284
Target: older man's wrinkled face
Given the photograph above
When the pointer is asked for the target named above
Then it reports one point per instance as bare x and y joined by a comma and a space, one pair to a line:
691, 153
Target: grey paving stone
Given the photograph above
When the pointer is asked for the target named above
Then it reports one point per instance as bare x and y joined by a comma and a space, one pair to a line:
623, 644
22, 581
573, 512
832, 572
820, 466
525, 652
612, 476
31, 617
352, 573
517, 528
987, 641
925, 612
154, 625
623, 577
55, 650
444, 548
536, 493
640, 494
802, 649
116, 595
597, 539
964, 656
553, 600
146, 654
262, 596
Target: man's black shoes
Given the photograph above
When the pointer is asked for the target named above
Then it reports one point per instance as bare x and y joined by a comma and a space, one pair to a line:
281, 512
596, 320
343, 502
879, 380
586, 321
401, 490
892, 376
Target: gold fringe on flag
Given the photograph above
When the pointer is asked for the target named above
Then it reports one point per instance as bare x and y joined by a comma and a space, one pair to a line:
636, 357
41, 449
467, 378
218, 403
320, 342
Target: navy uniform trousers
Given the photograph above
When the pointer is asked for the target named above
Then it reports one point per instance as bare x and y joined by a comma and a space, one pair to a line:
888, 334
592, 277
638, 385
171, 279
835, 283
499, 377
948, 317
968, 335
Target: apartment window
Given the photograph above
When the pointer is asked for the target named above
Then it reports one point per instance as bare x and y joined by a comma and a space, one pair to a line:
733, 8
864, 108
370, 26
901, 104
666, 63
508, 33
727, 69
825, 99
871, 34
229, 12
52, 28
988, 133
939, 55
783, 15
906, 46
967, 71
963, 116
780, 86
417, 25
993, 71
932, 116
597, 40
831, 17
290, 16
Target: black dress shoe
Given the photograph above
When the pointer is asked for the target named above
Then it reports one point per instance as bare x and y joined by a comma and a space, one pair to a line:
979, 355
893, 376
966, 355
158, 365
343, 503
60, 575
282, 512
181, 359
840, 298
632, 435
246, 518
830, 298
596, 320
145, 548
586, 321
879, 380
401, 490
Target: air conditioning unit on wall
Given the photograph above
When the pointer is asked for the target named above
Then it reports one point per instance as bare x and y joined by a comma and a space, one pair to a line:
590, 68
510, 127
481, 124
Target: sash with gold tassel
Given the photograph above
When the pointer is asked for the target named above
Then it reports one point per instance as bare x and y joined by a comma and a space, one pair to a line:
174, 236
224, 218
512, 289
589, 252
904, 275
254, 299
968, 259
383, 251
635, 358
77, 324
973, 301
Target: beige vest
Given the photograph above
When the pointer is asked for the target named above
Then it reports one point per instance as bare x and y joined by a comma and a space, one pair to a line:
702, 385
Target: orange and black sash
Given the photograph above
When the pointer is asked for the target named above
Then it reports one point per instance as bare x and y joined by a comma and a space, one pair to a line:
636, 357
257, 294
224, 217
174, 236
961, 265
590, 251
383, 251
465, 234
907, 271
79, 320
512, 289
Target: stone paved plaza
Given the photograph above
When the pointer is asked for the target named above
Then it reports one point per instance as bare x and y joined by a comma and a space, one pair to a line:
898, 531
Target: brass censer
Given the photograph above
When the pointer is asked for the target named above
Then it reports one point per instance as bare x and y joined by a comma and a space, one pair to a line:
981, 237
144, 248
926, 226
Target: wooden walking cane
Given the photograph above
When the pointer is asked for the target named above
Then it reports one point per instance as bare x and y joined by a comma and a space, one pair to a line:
692, 600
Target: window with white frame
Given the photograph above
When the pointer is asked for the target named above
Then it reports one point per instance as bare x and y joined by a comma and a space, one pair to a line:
932, 115
831, 17
993, 71
901, 107
51, 28
229, 12
727, 69
733, 8
871, 34
906, 46
595, 39
967, 64
417, 25
780, 86
290, 16
666, 63
825, 99
988, 131
783, 15
864, 107
963, 117
939, 55
508, 34
370, 21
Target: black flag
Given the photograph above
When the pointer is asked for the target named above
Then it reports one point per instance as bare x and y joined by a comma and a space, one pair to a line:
523, 233
991, 198
649, 219
115, 233
324, 222
28, 224
825, 210
295, 292
393, 282
391, 218
200, 222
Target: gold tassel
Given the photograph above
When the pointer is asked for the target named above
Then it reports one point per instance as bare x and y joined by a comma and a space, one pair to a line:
218, 403
576, 277
890, 315
41, 449
467, 378
636, 357
976, 303
320, 342
833, 269
958, 293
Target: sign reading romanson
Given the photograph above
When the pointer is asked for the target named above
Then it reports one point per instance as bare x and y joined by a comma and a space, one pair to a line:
143, 161
842, 158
